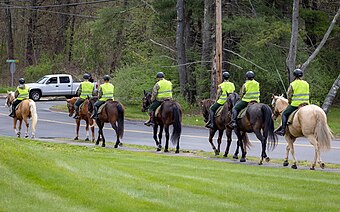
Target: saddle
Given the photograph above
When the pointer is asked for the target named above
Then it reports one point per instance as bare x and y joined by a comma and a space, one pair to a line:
218, 111
103, 105
291, 116
159, 107
81, 105
243, 112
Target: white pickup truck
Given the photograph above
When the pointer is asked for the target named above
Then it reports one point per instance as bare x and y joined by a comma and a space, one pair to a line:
53, 85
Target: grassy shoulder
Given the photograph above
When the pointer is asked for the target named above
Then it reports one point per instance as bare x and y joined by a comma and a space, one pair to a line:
37, 176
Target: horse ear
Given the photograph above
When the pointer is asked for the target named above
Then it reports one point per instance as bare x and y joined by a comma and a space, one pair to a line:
281, 95
67, 100
144, 92
273, 96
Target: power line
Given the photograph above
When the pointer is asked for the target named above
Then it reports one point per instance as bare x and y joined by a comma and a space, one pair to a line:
54, 5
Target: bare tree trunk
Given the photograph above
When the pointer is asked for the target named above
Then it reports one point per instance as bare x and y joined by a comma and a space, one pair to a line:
323, 41
63, 22
71, 41
180, 44
331, 95
31, 35
290, 61
10, 42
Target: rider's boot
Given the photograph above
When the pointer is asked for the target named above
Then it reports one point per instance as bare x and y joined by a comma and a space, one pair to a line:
283, 126
210, 123
232, 124
95, 113
12, 114
150, 122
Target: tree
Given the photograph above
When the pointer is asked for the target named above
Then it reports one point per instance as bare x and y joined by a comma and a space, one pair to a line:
10, 42
331, 95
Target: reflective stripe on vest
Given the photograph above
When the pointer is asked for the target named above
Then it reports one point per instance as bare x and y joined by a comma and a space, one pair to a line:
227, 88
252, 91
165, 89
23, 93
107, 91
300, 92
86, 89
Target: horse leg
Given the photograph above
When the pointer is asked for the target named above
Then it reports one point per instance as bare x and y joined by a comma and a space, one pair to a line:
263, 144
219, 141
27, 126
87, 130
77, 129
160, 134
20, 124
240, 137
92, 132
317, 158
290, 147
167, 136
228, 134
155, 129
100, 127
211, 137
114, 126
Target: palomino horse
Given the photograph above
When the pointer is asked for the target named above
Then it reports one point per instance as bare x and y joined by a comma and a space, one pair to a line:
170, 113
83, 114
258, 119
113, 113
220, 124
309, 121
26, 109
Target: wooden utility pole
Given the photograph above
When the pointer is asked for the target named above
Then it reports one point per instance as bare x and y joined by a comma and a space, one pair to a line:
218, 56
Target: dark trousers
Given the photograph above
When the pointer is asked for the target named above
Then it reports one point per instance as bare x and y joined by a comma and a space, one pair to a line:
15, 104
77, 104
154, 105
96, 106
289, 110
240, 105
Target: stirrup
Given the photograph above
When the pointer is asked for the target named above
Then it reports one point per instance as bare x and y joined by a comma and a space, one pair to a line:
282, 132
149, 123
232, 124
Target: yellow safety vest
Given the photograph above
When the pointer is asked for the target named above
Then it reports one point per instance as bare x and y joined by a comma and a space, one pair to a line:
107, 91
86, 89
165, 89
252, 91
227, 88
300, 92
23, 93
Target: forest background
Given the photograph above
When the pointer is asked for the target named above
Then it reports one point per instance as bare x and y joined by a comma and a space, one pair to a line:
132, 40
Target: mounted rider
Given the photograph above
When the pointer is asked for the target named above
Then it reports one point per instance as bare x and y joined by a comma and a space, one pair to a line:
250, 91
161, 91
297, 94
85, 90
21, 93
105, 92
223, 91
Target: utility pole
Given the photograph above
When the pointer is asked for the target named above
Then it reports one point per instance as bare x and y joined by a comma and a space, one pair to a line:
218, 56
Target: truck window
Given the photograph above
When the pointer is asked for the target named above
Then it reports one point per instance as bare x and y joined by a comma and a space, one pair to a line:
64, 79
52, 80
42, 80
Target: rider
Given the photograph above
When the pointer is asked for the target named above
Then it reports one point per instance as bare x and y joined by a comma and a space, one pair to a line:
250, 91
223, 91
84, 91
105, 93
161, 91
21, 93
298, 93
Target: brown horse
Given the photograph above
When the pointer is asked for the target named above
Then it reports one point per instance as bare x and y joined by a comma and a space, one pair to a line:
170, 113
258, 119
26, 109
113, 113
220, 124
83, 114
309, 121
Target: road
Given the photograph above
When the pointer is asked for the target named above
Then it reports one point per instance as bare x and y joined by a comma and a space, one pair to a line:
57, 125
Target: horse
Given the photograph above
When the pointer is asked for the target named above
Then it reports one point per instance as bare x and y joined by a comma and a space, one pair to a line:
170, 113
257, 119
309, 121
113, 113
83, 114
220, 123
26, 109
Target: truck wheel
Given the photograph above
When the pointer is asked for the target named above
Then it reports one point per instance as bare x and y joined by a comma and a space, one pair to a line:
35, 95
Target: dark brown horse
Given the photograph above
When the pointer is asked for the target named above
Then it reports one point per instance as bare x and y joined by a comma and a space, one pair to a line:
258, 119
220, 124
113, 113
83, 114
170, 113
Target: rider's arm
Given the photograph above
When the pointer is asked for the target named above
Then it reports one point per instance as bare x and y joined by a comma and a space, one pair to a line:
290, 94
242, 91
16, 93
100, 93
218, 93
79, 90
154, 92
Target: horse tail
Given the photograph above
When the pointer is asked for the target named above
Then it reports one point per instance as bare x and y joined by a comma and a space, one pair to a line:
33, 110
246, 141
322, 132
120, 120
269, 126
176, 133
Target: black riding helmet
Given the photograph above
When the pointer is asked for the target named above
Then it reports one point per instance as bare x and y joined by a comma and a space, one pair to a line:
160, 75
21, 81
106, 77
250, 75
86, 76
226, 75
298, 72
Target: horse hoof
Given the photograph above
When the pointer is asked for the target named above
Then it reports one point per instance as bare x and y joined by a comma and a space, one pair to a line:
267, 159
93, 140
236, 157
76, 138
103, 145
97, 143
159, 149
322, 165
26, 136
242, 160
116, 146
285, 163
225, 155
294, 166
312, 168
120, 144
166, 150
87, 139
217, 153
177, 151
260, 163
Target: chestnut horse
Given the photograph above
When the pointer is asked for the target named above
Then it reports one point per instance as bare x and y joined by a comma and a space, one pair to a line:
220, 124
26, 109
309, 121
170, 113
113, 113
83, 115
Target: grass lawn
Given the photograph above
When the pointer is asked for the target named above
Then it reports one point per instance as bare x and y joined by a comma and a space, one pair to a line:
37, 176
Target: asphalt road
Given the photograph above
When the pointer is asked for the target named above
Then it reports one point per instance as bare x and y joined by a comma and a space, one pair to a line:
57, 125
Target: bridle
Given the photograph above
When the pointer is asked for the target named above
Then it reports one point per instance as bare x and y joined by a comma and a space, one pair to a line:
146, 101
276, 113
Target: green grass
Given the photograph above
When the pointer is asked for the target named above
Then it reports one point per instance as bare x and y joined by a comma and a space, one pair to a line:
36, 176
334, 120
5, 89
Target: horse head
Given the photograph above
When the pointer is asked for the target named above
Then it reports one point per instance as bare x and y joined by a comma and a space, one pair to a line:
205, 106
70, 106
146, 101
232, 99
279, 104
9, 98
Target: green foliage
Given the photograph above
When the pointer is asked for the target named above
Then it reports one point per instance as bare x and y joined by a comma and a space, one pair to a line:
316, 22
45, 66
